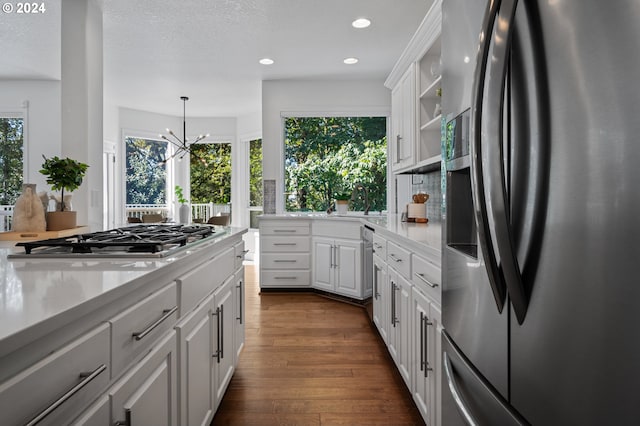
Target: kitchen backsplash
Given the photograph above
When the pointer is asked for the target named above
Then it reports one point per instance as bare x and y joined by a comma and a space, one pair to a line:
431, 184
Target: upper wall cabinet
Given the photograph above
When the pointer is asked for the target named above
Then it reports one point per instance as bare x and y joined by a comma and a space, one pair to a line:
415, 84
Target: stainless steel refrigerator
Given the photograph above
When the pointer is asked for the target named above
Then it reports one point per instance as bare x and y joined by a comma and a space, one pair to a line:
541, 290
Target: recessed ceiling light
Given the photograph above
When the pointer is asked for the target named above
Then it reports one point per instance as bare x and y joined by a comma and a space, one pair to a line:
361, 23
351, 61
266, 61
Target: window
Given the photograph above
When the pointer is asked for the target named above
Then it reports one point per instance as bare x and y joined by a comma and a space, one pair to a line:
328, 155
255, 182
146, 172
210, 177
11, 165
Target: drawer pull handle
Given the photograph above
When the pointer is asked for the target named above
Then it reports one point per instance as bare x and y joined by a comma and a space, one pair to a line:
241, 256
426, 281
284, 261
285, 244
139, 335
285, 230
127, 417
286, 278
86, 379
393, 256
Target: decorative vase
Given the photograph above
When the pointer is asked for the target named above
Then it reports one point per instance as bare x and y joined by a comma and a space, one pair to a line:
184, 213
57, 221
342, 206
28, 214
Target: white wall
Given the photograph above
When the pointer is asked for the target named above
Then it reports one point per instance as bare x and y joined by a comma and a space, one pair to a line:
43, 122
327, 97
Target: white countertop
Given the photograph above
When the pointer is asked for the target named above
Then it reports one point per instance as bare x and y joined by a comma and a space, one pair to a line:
420, 236
38, 291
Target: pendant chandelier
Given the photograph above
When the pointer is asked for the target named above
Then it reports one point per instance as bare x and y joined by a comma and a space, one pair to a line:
182, 146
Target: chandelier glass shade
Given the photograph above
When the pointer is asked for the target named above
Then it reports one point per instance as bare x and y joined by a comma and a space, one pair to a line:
181, 146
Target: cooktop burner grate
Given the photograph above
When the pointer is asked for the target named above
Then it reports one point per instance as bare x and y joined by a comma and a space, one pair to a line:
133, 239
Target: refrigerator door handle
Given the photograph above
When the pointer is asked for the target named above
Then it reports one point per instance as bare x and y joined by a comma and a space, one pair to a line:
455, 393
488, 149
496, 281
491, 139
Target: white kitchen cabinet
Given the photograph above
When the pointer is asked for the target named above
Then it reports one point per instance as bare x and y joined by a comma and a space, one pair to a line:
337, 266
98, 414
58, 387
415, 85
285, 253
399, 342
147, 394
194, 357
222, 337
426, 357
381, 297
403, 97
239, 317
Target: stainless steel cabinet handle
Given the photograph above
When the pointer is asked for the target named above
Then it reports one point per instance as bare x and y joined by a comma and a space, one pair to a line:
394, 319
285, 244
86, 379
218, 352
284, 261
221, 332
426, 325
241, 295
455, 393
285, 230
241, 256
422, 348
139, 335
127, 419
336, 254
398, 139
426, 281
285, 278
395, 258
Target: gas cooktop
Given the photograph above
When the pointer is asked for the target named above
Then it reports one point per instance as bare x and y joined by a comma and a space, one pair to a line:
153, 240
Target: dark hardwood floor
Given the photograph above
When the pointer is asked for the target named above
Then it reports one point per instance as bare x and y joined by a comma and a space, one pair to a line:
309, 360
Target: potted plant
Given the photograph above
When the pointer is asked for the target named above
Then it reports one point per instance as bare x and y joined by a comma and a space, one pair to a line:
342, 201
62, 174
184, 212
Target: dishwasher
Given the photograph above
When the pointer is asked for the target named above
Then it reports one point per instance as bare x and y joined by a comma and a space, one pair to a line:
367, 240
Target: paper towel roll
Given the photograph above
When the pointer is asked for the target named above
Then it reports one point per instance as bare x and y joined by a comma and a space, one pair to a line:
417, 210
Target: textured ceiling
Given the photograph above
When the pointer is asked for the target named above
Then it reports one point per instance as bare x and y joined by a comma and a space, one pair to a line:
156, 51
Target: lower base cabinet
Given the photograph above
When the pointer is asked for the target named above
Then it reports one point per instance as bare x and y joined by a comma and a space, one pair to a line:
195, 356
427, 333
223, 364
147, 394
399, 342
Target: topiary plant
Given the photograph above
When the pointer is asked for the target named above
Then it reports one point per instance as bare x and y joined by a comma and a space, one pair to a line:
63, 174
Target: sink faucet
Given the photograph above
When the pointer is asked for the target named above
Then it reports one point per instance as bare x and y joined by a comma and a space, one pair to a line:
360, 187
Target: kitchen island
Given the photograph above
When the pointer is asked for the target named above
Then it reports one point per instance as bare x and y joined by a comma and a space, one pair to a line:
131, 315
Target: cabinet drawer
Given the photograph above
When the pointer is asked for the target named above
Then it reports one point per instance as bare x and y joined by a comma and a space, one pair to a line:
134, 330
399, 259
380, 246
426, 276
31, 392
203, 280
336, 228
284, 244
239, 253
285, 278
285, 261
284, 227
